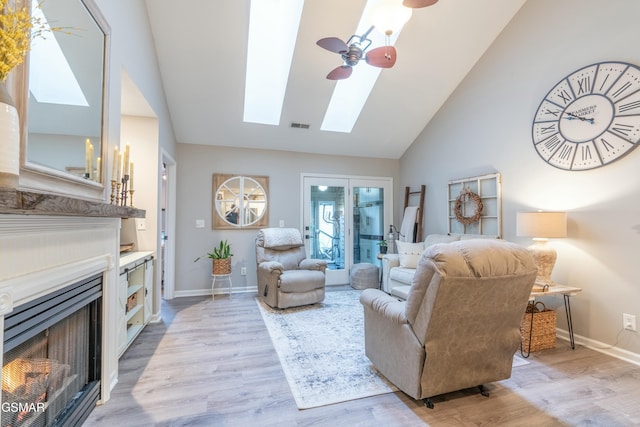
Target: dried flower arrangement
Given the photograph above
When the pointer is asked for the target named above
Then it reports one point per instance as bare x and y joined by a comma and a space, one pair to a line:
17, 29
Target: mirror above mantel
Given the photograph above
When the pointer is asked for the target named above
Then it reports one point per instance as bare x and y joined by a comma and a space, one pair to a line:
57, 129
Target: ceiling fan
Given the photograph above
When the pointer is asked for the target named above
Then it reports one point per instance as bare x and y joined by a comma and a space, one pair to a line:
354, 50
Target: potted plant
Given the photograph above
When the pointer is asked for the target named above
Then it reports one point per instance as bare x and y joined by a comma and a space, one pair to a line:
383, 246
221, 257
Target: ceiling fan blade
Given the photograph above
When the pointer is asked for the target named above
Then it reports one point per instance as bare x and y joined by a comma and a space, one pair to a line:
333, 44
383, 56
340, 73
415, 4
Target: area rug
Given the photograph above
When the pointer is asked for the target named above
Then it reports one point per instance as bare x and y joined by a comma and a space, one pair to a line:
321, 349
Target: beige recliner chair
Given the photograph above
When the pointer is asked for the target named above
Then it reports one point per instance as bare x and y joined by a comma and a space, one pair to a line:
286, 277
460, 325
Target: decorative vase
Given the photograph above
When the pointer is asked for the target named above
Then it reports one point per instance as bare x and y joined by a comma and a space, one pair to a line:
9, 140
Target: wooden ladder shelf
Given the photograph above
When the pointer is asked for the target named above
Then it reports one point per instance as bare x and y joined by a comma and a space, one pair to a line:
407, 194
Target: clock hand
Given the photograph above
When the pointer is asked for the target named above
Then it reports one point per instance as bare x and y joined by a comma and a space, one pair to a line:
572, 116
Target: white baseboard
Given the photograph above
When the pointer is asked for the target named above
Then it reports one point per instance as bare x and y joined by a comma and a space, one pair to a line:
222, 291
618, 353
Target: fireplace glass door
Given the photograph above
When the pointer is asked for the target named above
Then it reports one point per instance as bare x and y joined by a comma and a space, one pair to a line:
51, 361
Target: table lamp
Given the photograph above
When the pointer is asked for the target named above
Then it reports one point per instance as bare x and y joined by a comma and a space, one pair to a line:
542, 226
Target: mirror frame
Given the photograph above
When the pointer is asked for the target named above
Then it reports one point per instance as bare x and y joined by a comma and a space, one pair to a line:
42, 178
219, 222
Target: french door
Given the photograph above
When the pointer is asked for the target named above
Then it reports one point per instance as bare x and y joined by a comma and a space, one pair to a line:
344, 218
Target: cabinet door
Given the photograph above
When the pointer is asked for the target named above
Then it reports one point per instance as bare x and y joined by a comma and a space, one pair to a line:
148, 289
123, 287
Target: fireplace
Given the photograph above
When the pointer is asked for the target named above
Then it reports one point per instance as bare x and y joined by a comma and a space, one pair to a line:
52, 357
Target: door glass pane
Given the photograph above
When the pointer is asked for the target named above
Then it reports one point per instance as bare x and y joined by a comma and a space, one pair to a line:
368, 224
327, 225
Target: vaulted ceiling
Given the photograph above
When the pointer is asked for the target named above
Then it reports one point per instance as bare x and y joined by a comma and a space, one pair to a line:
201, 47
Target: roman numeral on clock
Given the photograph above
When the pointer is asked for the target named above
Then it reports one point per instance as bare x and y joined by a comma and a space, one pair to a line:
585, 152
606, 144
584, 85
548, 129
628, 106
604, 82
553, 142
565, 152
565, 96
554, 113
622, 129
621, 90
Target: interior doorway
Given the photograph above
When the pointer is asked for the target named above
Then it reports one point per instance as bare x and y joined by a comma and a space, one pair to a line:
167, 226
344, 219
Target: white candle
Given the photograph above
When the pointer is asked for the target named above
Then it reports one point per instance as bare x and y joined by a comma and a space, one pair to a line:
91, 173
131, 176
114, 168
87, 154
98, 170
125, 164
119, 167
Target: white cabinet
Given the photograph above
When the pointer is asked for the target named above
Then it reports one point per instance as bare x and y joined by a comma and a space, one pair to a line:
135, 296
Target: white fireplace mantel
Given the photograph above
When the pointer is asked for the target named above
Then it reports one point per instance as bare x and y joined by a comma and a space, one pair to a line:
41, 254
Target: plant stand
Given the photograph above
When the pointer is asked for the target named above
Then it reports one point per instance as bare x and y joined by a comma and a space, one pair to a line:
220, 276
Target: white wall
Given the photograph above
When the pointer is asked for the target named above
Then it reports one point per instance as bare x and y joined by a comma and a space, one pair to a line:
485, 127
132, 53
132, 50
196, 166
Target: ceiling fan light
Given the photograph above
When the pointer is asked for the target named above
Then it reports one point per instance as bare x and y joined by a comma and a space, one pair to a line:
389, 16
415, 4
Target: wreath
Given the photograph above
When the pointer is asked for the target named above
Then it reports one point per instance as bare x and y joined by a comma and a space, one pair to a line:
465, 196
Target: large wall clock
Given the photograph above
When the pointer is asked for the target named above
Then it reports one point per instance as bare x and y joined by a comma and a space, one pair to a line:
590, 118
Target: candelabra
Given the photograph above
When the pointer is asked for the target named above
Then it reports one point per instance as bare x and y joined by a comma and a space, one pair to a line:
131, 197
113, 191
118, 193
125, 180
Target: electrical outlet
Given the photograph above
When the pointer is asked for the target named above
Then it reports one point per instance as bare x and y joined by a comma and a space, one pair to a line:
199, 223
243, 271
281, 223
629, 322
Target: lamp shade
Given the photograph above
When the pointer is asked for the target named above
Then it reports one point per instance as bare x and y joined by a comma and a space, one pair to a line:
543, 225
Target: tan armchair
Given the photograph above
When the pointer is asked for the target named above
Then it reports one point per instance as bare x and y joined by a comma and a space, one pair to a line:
286, 277
460, 325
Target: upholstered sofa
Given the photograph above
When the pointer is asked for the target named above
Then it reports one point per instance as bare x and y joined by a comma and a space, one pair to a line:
398, 269
460, 325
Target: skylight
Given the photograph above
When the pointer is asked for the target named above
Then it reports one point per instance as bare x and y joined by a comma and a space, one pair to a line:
273, 28
350, 95
51, 79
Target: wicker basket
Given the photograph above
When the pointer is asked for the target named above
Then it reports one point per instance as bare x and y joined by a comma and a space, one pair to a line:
544, 328
222, 266
132, 301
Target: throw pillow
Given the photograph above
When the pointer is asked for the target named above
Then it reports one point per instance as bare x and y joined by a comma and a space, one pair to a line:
409, 253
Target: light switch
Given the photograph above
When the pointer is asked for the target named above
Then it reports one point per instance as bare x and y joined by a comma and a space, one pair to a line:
282, 223
199, 223
141, 224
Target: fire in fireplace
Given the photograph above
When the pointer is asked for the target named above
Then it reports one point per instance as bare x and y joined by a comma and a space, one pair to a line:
52, 358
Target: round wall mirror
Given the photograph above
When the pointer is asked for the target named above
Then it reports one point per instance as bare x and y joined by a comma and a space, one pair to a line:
240, 201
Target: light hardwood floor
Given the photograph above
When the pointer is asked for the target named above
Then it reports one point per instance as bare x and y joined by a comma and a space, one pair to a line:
211, 363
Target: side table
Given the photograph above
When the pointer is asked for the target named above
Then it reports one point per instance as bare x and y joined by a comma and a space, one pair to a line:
221, 276
566, 292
